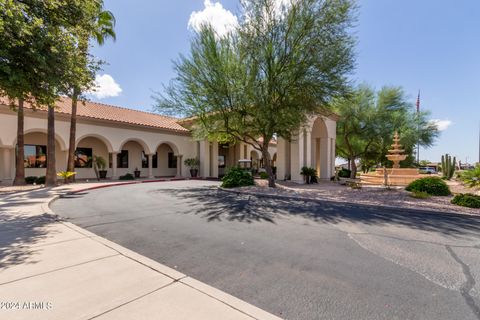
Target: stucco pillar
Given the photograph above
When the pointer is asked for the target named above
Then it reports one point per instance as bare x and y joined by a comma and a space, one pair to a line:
332, 157
8, 163
281, 158
150, 166
179, 166
308, 147
114, 165
297, 158
325, 158
205, 158
214, 160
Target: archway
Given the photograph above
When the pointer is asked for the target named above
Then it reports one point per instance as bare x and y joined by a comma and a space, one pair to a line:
35, 154
320, 148
166, 161
132, 158
89, 146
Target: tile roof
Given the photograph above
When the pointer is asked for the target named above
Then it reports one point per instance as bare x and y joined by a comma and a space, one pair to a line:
95, 110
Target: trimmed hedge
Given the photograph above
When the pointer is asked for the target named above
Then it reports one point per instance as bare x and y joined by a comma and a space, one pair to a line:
127, 176
467, 200
237, 177
30, 180
432, 185
344, 173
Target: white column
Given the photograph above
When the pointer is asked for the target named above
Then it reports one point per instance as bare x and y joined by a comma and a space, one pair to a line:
332, 156
281, 158
114, 165
150, 166
325, 158
8, 163
179, 166
297, 158
301, 149
214, 160
308, 146
205, 158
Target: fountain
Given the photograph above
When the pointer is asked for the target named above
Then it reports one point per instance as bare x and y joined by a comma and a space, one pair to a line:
395, 176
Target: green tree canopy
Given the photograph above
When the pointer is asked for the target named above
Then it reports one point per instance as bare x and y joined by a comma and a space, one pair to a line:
281, 65
368, 120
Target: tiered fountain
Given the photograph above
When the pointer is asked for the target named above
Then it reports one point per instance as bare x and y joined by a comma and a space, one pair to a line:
396, 176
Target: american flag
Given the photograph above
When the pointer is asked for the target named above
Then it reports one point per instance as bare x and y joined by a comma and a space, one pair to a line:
418, 102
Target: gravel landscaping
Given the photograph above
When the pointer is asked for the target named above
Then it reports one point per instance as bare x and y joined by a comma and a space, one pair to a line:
369, 195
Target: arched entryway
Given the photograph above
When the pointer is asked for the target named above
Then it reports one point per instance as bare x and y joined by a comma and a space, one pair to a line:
320, 148
35, 154
88, 147
167, 162
131, 158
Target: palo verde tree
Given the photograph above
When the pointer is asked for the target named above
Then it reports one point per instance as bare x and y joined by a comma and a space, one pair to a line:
368, 120
281, 65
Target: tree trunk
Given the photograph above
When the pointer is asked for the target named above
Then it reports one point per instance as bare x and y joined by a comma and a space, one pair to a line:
353, 174
19, 162
268, 166
73, 132
51, 176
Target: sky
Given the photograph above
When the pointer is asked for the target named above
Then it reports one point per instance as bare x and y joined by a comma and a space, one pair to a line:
429, 45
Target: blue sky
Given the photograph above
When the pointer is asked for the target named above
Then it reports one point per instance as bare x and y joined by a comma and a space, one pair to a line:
428, 45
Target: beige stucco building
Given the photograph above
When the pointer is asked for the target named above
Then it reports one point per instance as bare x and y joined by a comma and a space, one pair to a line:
155, 145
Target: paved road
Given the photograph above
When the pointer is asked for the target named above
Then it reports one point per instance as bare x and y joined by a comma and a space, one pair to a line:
298, 260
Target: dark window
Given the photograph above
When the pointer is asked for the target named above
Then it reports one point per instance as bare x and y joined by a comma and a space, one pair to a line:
145, 160
83, 158
221, 161
122, 159
35, 156
110, 165
172, 161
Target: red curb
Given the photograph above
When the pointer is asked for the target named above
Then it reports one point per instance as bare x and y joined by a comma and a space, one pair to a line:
125, 183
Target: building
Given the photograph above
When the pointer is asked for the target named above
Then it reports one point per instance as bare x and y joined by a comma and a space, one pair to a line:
156, 145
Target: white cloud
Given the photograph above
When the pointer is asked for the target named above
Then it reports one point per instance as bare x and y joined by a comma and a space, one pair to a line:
441, 124
105, 87
222, 20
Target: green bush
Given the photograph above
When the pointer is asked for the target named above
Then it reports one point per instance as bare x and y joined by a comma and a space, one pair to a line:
127, 176
467, 200
471, 177
419, 195
344, 173
432, 185
263, 175
30, 180
40, 180
237, 177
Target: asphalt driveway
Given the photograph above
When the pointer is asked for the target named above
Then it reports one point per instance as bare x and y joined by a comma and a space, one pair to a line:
298, 260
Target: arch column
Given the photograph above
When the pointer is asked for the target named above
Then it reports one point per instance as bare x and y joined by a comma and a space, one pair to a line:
7, 160
214, 160
150, 166
114, 165
179, 165
308, 147
204, 158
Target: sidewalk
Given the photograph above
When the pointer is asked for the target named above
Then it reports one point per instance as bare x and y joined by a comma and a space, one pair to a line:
50, 269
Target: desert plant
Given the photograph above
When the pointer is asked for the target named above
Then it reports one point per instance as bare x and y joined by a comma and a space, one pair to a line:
127, 176
448, 166
66, 175
310, 174
263, 175
40, 180
467, 200
471, 177
192, 163
432, 185
99, 164
419, 195
237, 177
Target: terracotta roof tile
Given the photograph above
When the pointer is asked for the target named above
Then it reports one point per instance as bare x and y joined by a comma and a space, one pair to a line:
95, 110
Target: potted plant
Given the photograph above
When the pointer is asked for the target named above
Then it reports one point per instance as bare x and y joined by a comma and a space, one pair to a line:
99, 165
193, 164
136, 173
66, 175
306, 175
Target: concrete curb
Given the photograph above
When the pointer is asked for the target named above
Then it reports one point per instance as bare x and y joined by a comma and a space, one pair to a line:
322, 201
229, 300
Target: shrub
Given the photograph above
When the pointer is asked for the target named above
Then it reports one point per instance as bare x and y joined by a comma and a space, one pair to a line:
30, 180
471, 177
419, 195
127, 176
344, 173
40, 180
467, 200
263, 175
432, 185
237, 177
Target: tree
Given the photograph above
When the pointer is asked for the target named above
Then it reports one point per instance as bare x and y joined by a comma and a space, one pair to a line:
280, 66
99, 26
368, 120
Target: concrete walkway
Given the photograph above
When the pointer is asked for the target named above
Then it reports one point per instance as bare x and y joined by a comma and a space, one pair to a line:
50, 269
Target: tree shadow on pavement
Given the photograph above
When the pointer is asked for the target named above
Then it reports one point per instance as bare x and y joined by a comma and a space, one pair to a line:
215, 204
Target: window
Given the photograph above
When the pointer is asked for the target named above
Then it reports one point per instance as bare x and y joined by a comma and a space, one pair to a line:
35, 156
122, 159
221, 161
83, 158
172, 161
145, 160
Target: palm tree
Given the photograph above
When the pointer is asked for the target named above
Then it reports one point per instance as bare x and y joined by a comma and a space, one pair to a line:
104, 28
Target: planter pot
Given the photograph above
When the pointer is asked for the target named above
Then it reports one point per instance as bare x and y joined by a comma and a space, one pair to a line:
307, 179
102, 174
137, 174
194, 173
